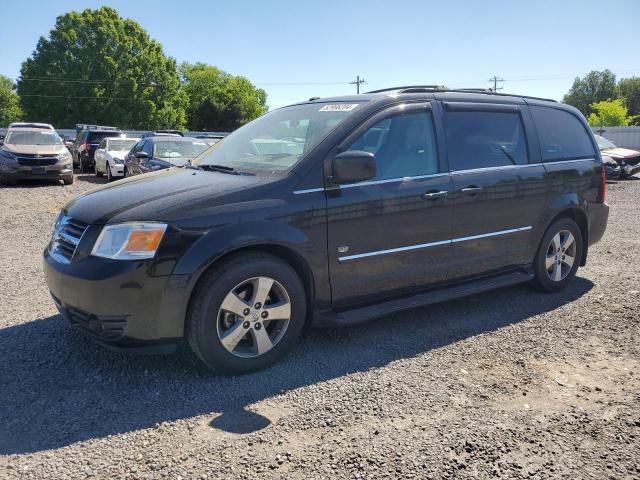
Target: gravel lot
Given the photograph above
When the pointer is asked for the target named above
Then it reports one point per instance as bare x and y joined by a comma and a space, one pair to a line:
512, 383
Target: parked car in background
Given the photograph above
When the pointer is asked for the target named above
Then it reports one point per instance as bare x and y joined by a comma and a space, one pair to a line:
29, 152
611, 167
86, 142
110, 155
396, 199
162, 151
628, 159
38, 126
211, 139
155, 133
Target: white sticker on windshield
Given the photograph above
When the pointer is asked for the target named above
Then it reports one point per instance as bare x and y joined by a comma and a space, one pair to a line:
338, 107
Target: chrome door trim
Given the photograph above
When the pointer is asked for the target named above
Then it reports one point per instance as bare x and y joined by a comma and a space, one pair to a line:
492, 234
393, 250
374, 182
433, 244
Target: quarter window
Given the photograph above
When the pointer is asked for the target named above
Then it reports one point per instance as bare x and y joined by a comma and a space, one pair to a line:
562, 135
403, 145
477, 139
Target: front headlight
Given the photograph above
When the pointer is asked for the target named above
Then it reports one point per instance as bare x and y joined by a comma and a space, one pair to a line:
129, 241
66, 155
119, 161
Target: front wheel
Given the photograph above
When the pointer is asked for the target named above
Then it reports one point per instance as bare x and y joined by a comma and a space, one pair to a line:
559, 255
246, 314
109, 176
96, 170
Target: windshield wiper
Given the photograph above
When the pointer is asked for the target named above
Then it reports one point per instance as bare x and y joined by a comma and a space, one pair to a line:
218, 168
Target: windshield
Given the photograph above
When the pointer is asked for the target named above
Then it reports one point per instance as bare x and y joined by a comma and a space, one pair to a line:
97, 137
117, 145
177, 149
32, 138
277, 140
603, 143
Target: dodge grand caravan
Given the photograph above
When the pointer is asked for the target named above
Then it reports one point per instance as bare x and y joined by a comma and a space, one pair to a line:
360, 206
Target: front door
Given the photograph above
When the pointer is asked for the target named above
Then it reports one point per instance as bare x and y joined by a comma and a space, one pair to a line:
391, 235
498, 194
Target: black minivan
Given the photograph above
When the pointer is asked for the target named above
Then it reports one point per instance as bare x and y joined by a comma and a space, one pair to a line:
332, 211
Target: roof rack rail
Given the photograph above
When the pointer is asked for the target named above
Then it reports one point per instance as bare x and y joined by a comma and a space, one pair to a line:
442, 88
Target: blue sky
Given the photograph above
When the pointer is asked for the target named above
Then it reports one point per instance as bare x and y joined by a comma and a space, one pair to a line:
297, 49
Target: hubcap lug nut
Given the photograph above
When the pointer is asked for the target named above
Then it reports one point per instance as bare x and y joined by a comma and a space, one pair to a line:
265, 314
257, 326
258, 306
246, 312
246, 324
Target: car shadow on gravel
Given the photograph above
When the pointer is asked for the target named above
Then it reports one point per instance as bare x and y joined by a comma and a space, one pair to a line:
90, 178
58, 388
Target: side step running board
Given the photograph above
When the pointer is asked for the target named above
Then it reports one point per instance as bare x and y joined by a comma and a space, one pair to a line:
362, 314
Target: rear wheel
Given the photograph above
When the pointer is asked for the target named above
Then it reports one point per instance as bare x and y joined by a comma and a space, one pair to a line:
246, 314
68, 180
559, 255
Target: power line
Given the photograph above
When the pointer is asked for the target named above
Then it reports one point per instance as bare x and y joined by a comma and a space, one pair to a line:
357, 82
495, 79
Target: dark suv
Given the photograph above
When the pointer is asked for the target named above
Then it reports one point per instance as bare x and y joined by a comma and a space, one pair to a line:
86, 143
332, 211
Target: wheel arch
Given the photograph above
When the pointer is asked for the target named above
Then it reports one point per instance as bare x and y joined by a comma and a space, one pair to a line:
576, 214
284, 253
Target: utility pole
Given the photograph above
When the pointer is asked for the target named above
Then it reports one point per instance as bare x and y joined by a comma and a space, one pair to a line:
358, 81
495, 79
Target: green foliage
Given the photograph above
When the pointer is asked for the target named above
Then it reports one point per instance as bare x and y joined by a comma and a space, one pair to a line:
218, 101
609, 113
594, 87
97, 67
629, 90
10, 110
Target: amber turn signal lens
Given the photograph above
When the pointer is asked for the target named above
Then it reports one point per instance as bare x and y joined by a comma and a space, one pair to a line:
144, 240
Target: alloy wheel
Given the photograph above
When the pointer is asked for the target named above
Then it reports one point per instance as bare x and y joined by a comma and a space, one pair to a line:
561, 255
253, 317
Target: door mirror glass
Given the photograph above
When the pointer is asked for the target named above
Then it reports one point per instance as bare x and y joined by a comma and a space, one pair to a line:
142, 155
353, 166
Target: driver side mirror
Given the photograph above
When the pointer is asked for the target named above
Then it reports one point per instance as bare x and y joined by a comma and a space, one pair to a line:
141, 155
353, 166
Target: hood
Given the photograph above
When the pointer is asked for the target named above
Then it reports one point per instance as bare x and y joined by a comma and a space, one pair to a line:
166, 195
619, 153
34, 149
118, 153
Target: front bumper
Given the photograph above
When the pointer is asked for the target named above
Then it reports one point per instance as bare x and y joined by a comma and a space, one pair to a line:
21, 172
117, 169
119, 304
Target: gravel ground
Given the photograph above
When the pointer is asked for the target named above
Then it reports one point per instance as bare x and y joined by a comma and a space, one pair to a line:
511, 383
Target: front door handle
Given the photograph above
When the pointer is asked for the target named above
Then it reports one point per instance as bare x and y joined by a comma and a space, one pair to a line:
471, 189
435, 194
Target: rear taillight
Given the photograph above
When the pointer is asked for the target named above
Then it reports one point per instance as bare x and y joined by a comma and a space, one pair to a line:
603, 195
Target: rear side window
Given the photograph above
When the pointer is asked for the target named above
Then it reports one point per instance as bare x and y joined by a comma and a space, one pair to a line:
562, 135
477, 139
403, 145
97, 137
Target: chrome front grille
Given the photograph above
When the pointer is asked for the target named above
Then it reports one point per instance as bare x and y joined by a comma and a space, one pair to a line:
37, 161
66, 237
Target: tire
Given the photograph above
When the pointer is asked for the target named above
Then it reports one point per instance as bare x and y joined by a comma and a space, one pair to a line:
81, 163
126, 172
209, 323
553, 271
68, 180
109, 176
95, 169
7, 182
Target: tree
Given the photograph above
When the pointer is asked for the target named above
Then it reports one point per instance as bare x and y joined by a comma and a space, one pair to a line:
610, 113
594, 87
629, 90
10, 110
218, 101
97, 67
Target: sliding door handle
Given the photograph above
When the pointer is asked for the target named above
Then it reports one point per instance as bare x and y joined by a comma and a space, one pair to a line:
435, 194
